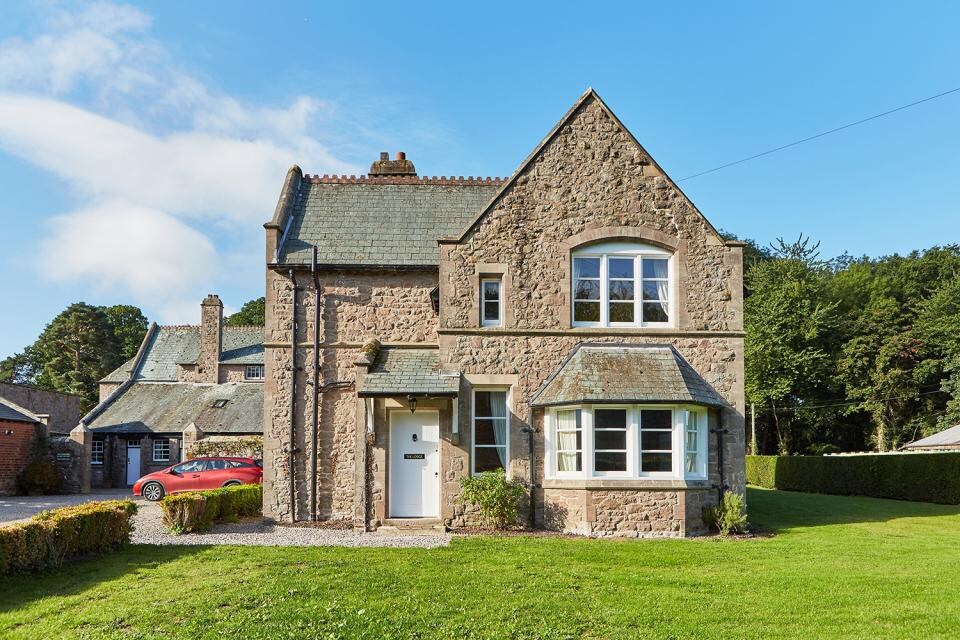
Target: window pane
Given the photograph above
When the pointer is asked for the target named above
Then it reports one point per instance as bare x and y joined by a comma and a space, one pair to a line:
621, 289
621, 312
491, 290
654, 290
487, 458
656, 462
656, 440
691, 463
481, 404
620, 268
586, 311
568, 462
654, 268
656, 419
607, 461
691, 443
610, 419
610, 439
491, 310
586, 267
654, 312
484, 430
587, 290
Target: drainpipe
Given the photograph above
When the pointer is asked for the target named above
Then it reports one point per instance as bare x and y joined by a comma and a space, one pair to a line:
316, 386
530, 431
720, 431
293, 397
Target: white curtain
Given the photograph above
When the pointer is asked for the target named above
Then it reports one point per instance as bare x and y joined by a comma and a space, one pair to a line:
663, 291
498, 411
566, 441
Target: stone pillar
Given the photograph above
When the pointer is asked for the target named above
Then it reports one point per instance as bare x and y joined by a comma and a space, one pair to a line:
362, 440
84, 437
211, 339
191, 434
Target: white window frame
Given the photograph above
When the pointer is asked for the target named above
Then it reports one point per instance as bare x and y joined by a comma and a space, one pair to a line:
162, 442
258, 376
473, 428
629, 428
676, 435
638, 252
680, 417
95, 450
553, 462
498, 322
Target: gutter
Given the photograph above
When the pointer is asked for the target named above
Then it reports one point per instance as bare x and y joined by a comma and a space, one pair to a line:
126, 384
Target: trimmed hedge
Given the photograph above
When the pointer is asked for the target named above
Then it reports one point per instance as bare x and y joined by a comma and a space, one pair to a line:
195, 511
921, 477
50, 538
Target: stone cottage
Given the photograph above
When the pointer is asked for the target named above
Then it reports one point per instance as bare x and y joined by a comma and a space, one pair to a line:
578, 325
186, 383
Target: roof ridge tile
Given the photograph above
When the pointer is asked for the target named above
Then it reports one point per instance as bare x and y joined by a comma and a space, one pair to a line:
459, 181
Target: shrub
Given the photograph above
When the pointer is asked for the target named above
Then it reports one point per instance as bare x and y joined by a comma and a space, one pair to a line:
251, 446
50, 538
497, 499
196, 511
39, 477
924, 477
730, 516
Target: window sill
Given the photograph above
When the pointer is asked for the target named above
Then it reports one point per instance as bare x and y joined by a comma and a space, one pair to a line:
639, 484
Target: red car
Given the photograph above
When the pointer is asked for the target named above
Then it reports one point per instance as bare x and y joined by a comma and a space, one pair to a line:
198, 474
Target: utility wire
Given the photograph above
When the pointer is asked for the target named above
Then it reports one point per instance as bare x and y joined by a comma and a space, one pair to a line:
820, 135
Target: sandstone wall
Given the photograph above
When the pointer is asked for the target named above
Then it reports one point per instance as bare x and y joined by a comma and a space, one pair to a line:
63, 409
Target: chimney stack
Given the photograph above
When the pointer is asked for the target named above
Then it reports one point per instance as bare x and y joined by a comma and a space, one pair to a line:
211, 339
387, 167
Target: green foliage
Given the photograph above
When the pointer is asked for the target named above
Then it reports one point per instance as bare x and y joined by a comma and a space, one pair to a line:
497, 499
52, 537
251, 313
251, 447
129, 326
37, 478
730, 516
197, 511
925, 477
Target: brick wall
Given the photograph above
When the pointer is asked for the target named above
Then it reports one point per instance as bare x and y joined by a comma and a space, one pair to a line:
16, 442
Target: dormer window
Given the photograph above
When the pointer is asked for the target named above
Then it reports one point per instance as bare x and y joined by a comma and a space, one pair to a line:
622, 285
491, 304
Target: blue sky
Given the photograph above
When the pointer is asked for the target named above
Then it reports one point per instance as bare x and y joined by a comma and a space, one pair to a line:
142, 147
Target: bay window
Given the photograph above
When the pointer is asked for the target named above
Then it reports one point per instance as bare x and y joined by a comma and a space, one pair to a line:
622, 285
630, 441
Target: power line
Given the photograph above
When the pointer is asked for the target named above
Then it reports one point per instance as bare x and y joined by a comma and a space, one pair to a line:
820, 135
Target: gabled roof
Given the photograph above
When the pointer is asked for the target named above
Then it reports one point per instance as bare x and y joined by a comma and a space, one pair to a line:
614, 373
401, 372
161, 407
15, 413
943, 439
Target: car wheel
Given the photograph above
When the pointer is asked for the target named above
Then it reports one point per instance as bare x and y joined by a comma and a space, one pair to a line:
152, 491
232, 483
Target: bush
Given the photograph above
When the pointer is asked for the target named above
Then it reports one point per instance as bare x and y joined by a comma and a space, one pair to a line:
196, 511
50, 538
730, 516
38, 478
922, 477
497, 499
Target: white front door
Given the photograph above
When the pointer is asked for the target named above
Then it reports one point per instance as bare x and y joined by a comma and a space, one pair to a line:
414, 464
133, 464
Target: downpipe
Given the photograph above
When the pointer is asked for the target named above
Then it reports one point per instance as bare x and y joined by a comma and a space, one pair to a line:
531, 431
293, 399
720, 431
314, 445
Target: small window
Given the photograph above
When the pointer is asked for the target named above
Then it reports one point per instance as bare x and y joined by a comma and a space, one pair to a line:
694, 462
253, 372
490, 432
133, 444
219, 404
656, 441
491, 306
96, 452
610, 440
569, 441
161, 451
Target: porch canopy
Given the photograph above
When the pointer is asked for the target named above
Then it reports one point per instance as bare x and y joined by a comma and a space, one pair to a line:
408, 372
614, 373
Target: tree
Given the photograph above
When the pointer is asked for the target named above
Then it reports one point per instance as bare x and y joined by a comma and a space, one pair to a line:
129, 326
251, 313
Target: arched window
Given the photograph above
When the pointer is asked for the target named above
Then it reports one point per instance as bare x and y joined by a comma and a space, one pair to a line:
622, 284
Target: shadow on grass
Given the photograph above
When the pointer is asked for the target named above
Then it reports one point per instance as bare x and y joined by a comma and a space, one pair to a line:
772, 510
80, 575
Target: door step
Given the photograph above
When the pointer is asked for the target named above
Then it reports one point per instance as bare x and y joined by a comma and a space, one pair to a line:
412, 526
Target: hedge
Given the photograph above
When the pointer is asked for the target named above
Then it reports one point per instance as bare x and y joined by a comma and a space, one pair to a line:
922, 477
50, 538
195, 511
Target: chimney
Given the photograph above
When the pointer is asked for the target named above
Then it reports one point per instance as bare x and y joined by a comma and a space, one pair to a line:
211, 339
387, 167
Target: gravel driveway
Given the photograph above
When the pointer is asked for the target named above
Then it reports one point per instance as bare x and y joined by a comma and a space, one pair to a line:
149, 530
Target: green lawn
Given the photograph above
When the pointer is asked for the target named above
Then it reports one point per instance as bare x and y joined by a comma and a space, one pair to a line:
837, 567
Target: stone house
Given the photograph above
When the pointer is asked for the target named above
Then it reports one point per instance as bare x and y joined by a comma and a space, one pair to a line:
578, 325
186, 383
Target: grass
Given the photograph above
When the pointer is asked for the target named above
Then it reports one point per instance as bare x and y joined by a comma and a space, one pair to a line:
837, 567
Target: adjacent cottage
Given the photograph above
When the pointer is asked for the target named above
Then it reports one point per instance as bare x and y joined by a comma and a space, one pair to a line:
186, 383
578, 325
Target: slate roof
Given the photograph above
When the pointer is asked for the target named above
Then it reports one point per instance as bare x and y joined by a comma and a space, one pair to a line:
610, 373
948, 438
377, 223
160, 407
175, 345
15, 413
400, 372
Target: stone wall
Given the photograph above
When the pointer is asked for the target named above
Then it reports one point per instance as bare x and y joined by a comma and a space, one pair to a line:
63, 409
67, 456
